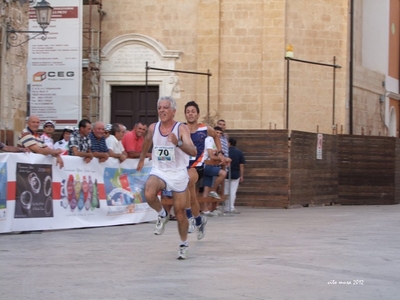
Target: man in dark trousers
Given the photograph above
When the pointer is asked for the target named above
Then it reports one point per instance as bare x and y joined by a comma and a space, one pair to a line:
237, 176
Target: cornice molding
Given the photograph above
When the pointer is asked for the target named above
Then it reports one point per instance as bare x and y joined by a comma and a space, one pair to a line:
134, 38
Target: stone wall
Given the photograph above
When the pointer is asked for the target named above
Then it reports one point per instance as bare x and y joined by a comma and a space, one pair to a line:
318, 33
13, 74
243, 43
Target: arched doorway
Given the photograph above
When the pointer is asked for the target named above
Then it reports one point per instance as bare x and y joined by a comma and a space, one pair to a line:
124, 67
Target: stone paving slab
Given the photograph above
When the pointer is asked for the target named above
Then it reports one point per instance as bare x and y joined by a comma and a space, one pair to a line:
339, 252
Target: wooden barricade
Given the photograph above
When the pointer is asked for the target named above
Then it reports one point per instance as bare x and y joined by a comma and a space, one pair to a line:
266, 174
283, 171
369, 169
313, 180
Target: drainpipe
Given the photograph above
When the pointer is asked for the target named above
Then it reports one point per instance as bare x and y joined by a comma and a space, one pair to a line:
351, 67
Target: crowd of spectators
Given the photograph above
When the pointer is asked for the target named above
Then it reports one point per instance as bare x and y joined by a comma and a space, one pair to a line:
113, 140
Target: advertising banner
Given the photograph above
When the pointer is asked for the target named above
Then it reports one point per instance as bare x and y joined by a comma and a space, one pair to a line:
55, 65
37, 195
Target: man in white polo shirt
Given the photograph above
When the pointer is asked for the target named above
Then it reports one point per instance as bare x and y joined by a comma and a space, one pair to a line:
114, 144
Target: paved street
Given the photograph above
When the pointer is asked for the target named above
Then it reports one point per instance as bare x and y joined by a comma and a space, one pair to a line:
340, 252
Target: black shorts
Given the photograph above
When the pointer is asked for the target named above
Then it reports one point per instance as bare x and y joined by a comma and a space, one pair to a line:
200, 172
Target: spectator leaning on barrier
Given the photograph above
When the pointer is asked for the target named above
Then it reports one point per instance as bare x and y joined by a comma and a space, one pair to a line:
48, 130
99, 146
79, 142
211, 171
6, 148
133, 141
64, 140
224, 137
107, 130
237, 175
30, 139
114, 144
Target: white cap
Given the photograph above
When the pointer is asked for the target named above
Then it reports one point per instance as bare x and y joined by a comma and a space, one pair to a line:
49, 122
108, 127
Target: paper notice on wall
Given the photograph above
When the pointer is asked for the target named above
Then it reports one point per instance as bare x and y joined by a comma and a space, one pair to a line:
55, 65
320, 140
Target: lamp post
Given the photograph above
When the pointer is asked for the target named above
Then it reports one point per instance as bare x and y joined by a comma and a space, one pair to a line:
43, 17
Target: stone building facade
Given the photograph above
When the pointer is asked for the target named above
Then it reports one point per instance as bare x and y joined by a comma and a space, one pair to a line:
13, 91
243, 45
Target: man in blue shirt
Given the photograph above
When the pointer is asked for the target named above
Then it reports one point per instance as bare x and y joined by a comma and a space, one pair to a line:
237, 174
99, 147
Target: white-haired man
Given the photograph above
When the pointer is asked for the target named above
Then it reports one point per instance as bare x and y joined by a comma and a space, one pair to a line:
172, 146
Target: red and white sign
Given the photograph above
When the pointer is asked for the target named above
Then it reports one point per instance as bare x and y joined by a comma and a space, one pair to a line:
55, 65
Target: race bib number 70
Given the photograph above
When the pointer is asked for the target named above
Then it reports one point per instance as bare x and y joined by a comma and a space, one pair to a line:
165, 153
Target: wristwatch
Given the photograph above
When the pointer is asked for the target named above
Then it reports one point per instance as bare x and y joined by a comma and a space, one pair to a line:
180, 143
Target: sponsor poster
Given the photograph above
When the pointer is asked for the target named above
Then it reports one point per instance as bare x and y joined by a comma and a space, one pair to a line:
55, 65
34, 191
38, 195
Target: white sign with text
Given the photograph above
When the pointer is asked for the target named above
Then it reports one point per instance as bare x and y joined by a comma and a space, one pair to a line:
55, 65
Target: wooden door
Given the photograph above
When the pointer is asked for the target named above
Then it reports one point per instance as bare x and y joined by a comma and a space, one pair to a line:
129, 105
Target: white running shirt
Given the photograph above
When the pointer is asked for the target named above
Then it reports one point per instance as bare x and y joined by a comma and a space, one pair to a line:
166, 156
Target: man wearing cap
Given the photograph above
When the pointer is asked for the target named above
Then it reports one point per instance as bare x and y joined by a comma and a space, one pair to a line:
114, 144
30, 139
48, 130
107, 131
133, 141
62, 143
79, 142
99, 147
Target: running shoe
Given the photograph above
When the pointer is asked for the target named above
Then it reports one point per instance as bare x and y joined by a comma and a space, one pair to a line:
215, 213
201, 229
214, 195
183, 252
192, 225
160, 225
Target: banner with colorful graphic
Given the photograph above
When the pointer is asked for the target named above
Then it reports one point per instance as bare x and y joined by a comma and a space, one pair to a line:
37, 195
55, 65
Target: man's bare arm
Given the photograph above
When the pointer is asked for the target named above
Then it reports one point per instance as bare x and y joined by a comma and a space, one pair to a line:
45, 151
113, 154
148, 141
76, 152
134, 154
217, 141
8, 148
100, 154
188, 147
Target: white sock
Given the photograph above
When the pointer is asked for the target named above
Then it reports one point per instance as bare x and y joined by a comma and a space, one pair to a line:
162, 213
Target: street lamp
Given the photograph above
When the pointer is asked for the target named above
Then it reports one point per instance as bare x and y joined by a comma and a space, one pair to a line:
43, 17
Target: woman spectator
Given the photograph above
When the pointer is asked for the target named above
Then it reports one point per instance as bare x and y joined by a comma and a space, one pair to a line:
64, 139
